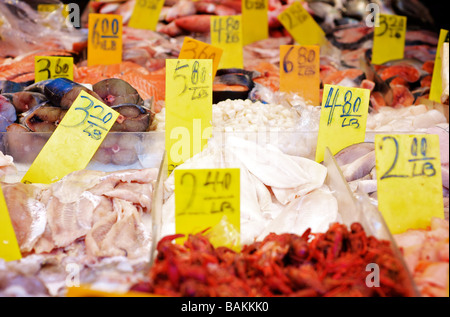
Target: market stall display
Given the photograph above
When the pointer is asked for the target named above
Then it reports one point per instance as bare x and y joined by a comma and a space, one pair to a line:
307, 228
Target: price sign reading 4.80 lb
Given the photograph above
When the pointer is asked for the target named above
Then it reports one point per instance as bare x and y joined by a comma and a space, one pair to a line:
343, 118
194, 49
50, 67
188, 108
300, 71
226, 33
388, 38
409, 181
204, 196
301, 25
74, 142
146, 14
105, 39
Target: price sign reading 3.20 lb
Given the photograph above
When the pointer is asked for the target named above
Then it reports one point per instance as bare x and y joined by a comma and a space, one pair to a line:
409, 181
74, 142
300, 71
105, 39
389, 38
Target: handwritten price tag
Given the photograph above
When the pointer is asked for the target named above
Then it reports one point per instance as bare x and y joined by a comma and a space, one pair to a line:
300, 71
388, 38
226, 33
9, 247
105, 39
50, 67
301, 25
74, 142
436, 80
204, 196
255, 20
343, 118
194, 49
48, 8
146, 14
188, 108
409, 180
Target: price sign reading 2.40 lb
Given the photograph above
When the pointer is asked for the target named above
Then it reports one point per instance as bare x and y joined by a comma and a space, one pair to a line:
409, 181
226, 33
301, 25
300, 71
388, 38
204, 196
146, 14
105, 39
188, 108
194, 49
343, 118
74, 142
50, 67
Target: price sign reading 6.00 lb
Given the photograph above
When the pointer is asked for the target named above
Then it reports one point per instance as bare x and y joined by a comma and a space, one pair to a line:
204, 196
409, 180
105, 39
74, 142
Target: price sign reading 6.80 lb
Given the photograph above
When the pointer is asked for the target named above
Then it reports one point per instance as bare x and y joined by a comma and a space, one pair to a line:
105, 39
74, 142
409, 181
204, 196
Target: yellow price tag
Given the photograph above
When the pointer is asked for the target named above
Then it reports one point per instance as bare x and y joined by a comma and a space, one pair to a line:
301, 25
105, 39
188, 108
343, 118
300, 71
409, 180
50, 67
47, 8
255, 20
203, 197
74, 142
194, 49
226, 33
436, 80
146, 14
9, 247
388, 38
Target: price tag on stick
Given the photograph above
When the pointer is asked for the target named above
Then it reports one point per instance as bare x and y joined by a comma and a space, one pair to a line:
204, 196
301, 25
409, 181
146, 14
50, 67
343, 118
436, 80
388, 38
104, 39
194, 49
300, 71
226, 33
9, 247
188, 108
74, 142
255, 20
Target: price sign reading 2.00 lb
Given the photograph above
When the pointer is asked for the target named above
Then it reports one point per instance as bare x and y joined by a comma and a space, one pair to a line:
105, 39
74, 142
343, 118
409, 180
300, 71
204, 196
50, 67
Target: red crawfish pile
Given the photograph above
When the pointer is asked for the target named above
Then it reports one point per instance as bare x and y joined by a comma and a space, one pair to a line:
325, 264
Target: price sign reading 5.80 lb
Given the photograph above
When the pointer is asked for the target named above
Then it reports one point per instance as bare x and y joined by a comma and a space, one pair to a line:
50, 67
389, 38
343, 118
204, 196
105, 39
300, 71
188, 108
409, 181
74, 142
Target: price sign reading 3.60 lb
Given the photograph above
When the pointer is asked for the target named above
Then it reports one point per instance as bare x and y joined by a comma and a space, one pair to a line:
50, 67
409, 181
194, 49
